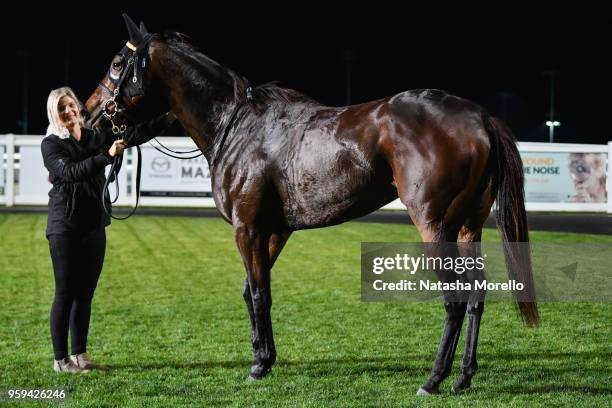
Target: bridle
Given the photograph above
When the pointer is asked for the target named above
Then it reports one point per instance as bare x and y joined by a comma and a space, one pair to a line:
136, 64
110, 107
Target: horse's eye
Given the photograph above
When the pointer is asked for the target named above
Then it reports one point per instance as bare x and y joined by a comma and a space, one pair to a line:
117, 65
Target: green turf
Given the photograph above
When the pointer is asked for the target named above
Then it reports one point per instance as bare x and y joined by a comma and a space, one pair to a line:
169, 319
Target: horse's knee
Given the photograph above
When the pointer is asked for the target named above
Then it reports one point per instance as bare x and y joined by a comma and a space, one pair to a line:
476, 309
454, 310
246, 292
262, 301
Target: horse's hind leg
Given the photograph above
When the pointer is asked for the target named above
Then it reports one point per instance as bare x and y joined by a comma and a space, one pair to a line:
439, 205
275, 245
470, 237
475, 308
455, 313
438, 216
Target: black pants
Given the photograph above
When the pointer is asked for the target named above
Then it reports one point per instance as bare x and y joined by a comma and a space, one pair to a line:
77, 263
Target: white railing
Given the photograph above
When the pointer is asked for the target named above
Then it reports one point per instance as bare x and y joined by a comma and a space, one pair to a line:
168, 182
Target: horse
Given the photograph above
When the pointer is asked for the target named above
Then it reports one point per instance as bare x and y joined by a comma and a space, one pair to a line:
281, 162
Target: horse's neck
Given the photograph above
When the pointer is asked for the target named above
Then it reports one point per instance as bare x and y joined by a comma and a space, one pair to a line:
205, 126
204, 116
201, 106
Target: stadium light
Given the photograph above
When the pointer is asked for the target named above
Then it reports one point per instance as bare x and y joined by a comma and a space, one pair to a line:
551, 129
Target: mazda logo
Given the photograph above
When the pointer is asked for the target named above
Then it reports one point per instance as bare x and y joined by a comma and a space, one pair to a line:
160, 164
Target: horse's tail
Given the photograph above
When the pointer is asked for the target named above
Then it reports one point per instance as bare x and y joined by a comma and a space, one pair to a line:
508, 184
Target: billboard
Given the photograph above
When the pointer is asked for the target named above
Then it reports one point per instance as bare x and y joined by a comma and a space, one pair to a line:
164, 176
562, 177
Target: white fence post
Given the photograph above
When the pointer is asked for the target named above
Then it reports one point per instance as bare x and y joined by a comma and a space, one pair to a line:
10, 170
609, 179
135, 163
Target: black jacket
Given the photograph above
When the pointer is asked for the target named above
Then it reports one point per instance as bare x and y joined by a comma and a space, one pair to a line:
76, 170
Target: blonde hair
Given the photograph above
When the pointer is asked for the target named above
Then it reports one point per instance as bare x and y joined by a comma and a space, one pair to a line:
55, 123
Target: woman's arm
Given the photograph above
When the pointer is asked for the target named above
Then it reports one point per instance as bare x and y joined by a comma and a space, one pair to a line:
58, 162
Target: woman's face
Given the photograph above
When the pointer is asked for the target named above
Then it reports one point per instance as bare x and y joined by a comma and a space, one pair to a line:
69, 111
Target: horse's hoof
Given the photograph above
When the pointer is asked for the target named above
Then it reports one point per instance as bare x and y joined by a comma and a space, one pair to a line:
422, 391
258, 372
460, 385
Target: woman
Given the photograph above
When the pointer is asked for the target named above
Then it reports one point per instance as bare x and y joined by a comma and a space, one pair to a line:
76, 157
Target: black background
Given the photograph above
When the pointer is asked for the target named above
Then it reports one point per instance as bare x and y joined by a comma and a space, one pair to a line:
495, 56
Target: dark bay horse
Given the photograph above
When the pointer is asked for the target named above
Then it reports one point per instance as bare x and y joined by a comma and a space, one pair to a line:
281, 162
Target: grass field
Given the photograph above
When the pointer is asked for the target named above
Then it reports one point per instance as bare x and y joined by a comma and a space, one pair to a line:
169, 320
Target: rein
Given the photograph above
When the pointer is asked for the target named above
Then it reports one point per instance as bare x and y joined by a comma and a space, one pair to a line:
114, 172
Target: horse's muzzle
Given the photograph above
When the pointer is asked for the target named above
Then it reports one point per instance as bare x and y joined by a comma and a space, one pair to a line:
93, 120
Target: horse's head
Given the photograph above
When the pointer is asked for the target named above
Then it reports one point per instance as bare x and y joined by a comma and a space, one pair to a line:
119, 96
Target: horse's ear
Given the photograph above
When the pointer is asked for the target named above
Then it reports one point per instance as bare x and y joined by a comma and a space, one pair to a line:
143, 29
135, 36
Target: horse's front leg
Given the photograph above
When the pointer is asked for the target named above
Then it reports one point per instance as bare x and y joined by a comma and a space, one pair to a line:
276, 244
253, 247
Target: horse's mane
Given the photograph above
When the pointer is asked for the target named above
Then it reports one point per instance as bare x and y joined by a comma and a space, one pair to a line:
261, 96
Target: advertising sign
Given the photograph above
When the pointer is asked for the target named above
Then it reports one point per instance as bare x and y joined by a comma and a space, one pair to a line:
164, 176
565, 177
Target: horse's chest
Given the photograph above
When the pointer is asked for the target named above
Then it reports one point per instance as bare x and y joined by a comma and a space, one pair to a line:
237, 186
221, 195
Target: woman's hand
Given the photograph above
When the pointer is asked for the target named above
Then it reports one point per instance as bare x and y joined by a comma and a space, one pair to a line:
117, 148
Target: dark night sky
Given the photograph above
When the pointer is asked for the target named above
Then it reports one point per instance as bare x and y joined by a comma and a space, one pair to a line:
494, 57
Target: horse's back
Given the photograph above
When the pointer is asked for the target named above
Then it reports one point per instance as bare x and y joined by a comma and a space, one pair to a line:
432, 128
436, 140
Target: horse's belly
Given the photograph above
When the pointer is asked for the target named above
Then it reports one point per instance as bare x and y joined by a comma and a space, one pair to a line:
336, 202
333, 178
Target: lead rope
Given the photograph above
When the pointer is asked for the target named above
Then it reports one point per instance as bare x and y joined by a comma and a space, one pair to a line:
114, 172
